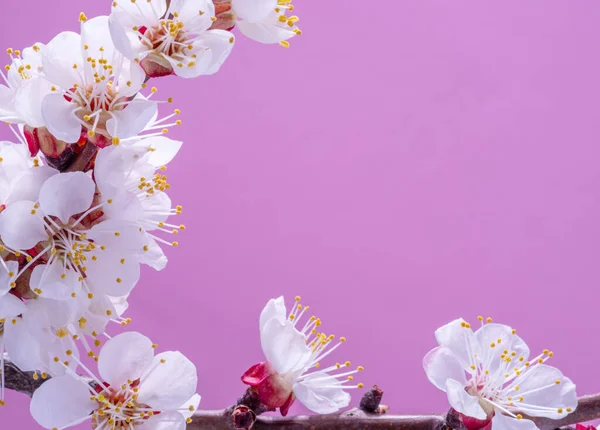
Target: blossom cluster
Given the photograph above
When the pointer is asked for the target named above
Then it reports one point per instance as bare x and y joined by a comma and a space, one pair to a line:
84, 203
83, 191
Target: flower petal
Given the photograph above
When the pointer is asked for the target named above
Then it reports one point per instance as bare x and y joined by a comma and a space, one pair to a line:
132, 119
28, 101
22, 347
253, 10
284, 347
162, 151
62, 402
20, 228
125, 356
62, 53
504, 422
8, 271
153, 255
28, 186
275, 308
60, 119
543, 397
67, 194
54, 280
165, 421
193, 403
265, 31
113, 273
321, 396
11, 306
462, 401
441, 364
187, 11
170, 382
459, 339
501, 337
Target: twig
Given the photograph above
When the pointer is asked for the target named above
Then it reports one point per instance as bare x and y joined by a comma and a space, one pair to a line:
588, 409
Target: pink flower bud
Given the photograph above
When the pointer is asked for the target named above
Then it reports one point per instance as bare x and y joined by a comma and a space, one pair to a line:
274, 391
156, 66
226, 16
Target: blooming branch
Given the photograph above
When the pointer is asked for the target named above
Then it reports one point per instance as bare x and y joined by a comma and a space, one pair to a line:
588, 409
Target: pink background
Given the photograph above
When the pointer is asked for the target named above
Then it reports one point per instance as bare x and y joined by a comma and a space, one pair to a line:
403, 164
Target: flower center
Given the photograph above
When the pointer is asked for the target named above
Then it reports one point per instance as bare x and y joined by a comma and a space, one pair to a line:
119, 409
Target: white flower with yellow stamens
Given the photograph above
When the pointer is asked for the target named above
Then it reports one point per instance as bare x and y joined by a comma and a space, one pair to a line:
94, 87
266, 21
488, 376
175, 40
78, 260
133, 186
135, 388
21, 97
293, 370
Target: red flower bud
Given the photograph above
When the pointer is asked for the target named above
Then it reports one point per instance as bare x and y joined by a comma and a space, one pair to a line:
274, 391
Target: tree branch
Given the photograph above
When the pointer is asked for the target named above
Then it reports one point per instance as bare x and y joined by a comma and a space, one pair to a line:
362, 418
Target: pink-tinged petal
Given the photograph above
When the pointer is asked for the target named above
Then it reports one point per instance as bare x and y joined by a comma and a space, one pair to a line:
253, 10
170, 382
265, 32
156, 66
67, 194
20, 228
11, 306
275, 308
462, 401
543, 396
441, 364
132, 119
62, 402
126, 356
257, 374
188, 13
323, 396
62, 53
165, 421
192, 403
8, 273
284, 347
60, 118
54, 280
503, 422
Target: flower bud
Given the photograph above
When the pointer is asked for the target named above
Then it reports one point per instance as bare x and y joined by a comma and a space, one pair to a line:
459, 421
156, 66
273, 390
226, 16
243, 418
